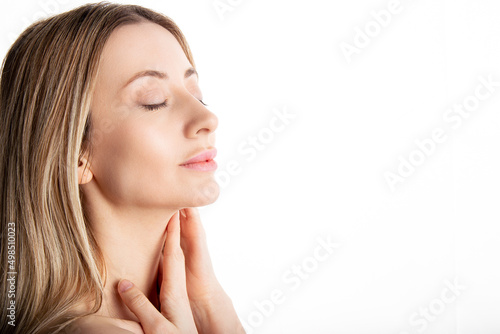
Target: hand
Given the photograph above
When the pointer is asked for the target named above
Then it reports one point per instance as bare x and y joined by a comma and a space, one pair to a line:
176, 315
212, 308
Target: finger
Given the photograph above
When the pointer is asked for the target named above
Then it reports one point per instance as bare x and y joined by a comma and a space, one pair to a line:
192, 231
159, 279
151, 320
173, 294
194, 245
193, 216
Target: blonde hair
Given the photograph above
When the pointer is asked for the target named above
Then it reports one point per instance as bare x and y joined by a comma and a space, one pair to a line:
46, 88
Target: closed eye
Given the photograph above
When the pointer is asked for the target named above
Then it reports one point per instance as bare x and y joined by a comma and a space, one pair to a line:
154, 107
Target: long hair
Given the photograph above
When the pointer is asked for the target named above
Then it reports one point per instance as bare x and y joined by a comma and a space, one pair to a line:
49, 257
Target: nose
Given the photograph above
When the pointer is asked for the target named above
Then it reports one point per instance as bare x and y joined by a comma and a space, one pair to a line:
200, 120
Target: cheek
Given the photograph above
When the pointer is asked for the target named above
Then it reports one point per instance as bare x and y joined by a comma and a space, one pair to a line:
137, 160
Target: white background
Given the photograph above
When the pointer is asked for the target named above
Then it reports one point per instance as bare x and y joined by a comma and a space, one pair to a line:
323, 175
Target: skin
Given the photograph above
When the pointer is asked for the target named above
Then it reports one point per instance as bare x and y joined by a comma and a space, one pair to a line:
140, 201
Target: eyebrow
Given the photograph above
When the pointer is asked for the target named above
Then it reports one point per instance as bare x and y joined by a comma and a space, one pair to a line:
158, 74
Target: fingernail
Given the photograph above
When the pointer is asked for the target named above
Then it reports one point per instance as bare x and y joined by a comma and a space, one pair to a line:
183, 214
124, 285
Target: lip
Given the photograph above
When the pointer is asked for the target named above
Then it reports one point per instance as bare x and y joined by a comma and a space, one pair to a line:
204, 166
203, 157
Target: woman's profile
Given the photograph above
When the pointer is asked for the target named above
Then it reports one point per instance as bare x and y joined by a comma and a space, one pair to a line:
106, 151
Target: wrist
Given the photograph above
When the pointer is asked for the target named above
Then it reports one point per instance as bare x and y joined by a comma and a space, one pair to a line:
216, 315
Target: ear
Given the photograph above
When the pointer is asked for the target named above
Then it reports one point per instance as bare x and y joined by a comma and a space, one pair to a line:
84, 172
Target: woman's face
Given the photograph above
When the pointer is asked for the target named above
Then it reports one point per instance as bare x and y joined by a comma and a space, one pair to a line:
147, 119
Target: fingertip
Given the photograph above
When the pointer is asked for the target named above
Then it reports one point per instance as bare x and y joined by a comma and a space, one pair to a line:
192, 213
124, 285
195, 213
173, 221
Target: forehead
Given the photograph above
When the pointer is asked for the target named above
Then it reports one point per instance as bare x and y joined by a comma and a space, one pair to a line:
138, 47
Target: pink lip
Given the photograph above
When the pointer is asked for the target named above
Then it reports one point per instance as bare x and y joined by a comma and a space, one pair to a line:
203, 161
205, 166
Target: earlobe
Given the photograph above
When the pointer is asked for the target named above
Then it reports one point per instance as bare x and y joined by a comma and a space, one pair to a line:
84, 172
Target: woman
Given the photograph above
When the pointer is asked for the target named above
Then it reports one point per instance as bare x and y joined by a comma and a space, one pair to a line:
101, 121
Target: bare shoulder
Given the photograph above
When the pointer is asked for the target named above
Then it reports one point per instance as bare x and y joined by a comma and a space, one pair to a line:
103, 325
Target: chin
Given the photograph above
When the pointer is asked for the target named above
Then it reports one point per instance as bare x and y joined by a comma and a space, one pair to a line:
206, 195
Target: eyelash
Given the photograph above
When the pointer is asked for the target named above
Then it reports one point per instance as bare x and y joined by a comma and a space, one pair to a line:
154, 107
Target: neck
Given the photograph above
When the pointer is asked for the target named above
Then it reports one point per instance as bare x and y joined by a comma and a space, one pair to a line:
131, 241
